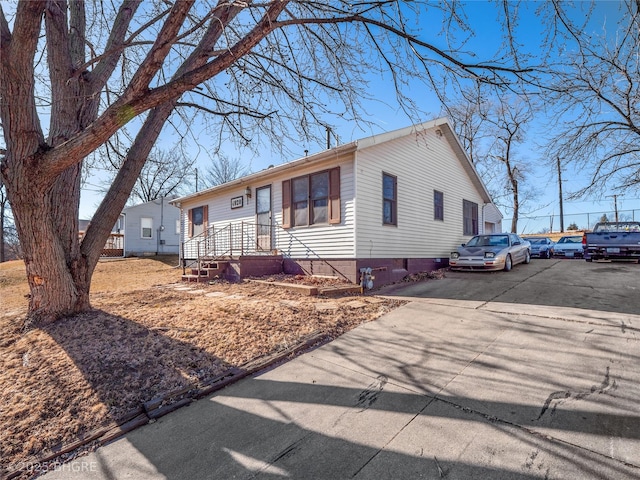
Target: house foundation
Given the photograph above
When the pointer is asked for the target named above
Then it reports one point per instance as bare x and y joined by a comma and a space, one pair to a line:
385, 270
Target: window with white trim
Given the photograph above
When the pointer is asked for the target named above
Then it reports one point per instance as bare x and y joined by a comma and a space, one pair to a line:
146, 227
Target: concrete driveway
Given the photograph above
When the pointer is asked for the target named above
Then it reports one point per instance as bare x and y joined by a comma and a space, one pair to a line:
606, 287
508, 377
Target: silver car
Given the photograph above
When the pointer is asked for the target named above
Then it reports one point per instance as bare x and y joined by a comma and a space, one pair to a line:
496, 251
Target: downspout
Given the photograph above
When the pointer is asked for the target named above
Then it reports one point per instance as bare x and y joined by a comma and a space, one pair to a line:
483, 222
124, 240
181, 239
161, 229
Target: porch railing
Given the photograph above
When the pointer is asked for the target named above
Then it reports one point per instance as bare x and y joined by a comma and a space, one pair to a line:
227, 240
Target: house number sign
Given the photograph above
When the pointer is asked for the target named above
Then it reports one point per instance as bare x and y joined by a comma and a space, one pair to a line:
236, 202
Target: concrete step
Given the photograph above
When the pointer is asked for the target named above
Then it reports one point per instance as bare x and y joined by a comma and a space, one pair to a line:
193, 278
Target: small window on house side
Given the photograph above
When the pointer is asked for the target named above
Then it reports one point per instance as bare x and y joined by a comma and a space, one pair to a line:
470, 217
389, 199
438, 205
146, 226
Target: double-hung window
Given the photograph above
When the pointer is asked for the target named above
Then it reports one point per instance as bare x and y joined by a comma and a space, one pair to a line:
470, 217
300, 201
319, 183
438, 205
389, 199
311, 199
146, 227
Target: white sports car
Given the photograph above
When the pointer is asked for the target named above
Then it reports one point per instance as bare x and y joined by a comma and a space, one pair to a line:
569, 247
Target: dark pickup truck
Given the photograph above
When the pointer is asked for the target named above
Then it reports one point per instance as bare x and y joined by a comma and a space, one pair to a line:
612, 241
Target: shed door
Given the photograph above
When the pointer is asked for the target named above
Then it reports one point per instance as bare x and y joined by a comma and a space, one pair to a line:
263, 217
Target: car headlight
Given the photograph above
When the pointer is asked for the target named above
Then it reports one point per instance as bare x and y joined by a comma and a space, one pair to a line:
489, 255
455, 255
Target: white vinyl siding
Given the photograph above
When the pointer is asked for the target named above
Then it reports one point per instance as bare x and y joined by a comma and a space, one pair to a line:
422, 163
299, 242
492, 219
323, 239
219, 211
141, 236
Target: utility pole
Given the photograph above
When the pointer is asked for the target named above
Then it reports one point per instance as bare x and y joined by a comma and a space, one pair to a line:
560, 194
615, 204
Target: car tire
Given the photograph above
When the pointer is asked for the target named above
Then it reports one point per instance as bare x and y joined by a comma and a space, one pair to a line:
527, 257
507, 263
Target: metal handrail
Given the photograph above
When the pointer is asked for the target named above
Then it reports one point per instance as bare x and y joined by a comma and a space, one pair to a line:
218, 242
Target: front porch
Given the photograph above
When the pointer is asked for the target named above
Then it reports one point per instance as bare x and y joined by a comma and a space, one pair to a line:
234, 251
234, 269
231, 251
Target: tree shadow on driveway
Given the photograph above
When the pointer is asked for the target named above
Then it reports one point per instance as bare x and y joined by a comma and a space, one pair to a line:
604, 287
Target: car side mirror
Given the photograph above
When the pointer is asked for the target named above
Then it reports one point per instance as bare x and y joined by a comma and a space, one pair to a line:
463, 244
516, 243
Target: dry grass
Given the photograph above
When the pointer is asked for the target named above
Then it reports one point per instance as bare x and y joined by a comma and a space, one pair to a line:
144, 338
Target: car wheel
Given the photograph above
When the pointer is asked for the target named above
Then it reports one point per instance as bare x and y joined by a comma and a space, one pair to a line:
507, 263
527, 257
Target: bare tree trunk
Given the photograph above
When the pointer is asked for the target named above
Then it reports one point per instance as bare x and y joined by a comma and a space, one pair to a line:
2, 253
516, 210
58, 276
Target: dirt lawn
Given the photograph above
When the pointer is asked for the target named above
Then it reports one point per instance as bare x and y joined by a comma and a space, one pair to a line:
146, 336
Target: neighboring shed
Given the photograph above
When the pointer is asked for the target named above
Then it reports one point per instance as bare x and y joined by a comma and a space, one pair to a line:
492, 219
150, 228
395, 203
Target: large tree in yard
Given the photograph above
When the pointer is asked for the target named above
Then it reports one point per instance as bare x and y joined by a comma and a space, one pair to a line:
74, 73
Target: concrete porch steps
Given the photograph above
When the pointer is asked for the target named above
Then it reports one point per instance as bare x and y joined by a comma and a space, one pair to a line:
313, 290
208, 271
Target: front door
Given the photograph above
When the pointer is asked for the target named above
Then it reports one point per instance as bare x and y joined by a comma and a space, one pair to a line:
197, 221
263, 217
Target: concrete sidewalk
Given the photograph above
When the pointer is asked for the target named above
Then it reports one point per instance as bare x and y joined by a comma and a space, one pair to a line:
435, 389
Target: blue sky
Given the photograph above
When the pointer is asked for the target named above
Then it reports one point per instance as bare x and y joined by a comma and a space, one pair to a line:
384, 115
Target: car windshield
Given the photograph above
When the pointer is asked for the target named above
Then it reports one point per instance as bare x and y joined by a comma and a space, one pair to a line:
536, 240
489, 241
570, 240
618, 227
